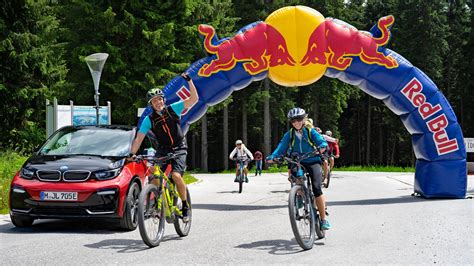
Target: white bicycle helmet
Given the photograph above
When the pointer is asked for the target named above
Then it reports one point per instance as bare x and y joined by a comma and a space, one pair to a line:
296, 113
154, 93
329, 133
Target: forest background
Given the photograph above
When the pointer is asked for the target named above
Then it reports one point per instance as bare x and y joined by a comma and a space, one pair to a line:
43, 45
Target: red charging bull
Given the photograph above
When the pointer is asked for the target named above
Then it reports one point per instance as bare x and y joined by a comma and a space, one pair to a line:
333, 44
258, 48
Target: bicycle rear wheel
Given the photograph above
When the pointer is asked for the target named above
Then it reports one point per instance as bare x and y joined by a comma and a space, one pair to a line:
181, 227
151, 214
301, 218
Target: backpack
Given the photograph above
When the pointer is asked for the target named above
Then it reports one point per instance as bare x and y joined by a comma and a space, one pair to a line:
310, 140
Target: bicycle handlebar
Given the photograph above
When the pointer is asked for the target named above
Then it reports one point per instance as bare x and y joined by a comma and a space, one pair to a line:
298, 158
158, 160
241, 159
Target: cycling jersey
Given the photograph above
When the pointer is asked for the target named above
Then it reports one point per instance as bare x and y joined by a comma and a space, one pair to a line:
243, 153
333, 148
301, 145
166, 125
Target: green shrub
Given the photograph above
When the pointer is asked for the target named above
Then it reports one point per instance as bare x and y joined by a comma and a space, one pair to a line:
10, 163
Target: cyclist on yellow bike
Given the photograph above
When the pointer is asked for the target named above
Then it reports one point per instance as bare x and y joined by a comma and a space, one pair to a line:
300, 139
165, 123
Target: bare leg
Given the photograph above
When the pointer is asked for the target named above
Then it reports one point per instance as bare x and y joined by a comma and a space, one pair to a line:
325, 170
321, 204
180, 185
331, 160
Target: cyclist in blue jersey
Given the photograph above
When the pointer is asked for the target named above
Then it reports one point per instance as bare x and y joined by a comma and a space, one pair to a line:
165, 123
300, 139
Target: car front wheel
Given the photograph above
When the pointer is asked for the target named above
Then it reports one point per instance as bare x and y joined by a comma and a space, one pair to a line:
21, 221
129, 220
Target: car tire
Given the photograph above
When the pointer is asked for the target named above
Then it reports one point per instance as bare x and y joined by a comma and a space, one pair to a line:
129, 220
21, 221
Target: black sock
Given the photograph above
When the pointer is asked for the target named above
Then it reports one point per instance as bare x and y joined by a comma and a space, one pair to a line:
185, 204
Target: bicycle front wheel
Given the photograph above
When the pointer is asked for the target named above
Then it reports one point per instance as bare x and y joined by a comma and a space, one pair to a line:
151, 216
301, 218
241, 182
181, 227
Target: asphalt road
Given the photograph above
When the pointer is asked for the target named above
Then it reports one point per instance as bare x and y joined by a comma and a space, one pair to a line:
374, 219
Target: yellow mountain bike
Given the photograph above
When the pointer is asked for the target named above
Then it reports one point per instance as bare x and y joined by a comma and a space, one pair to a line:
159, 204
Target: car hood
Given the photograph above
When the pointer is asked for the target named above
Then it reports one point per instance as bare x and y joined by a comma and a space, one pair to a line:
64, 163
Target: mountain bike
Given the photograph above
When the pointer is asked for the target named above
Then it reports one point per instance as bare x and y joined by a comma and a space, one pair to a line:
304, 217
240, 177
159, 204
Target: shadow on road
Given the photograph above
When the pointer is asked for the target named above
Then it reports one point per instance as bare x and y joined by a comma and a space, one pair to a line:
230, 207
81, 226
276, 247
397, 200
127, 245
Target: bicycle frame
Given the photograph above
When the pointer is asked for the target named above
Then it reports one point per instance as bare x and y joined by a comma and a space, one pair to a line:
168, 192
241, 170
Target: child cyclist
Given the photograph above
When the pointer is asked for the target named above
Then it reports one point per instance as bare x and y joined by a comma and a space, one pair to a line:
301, 139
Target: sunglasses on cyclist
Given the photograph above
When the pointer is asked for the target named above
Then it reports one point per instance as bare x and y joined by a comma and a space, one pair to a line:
299, 119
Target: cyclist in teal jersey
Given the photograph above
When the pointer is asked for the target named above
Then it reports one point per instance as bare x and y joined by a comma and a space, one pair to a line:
300, 139
165, 123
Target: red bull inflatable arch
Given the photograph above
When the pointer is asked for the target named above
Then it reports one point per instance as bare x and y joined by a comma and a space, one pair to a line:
296, 46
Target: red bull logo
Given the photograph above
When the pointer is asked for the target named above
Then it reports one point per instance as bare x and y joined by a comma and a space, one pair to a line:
437, 125
259, 48
334, 44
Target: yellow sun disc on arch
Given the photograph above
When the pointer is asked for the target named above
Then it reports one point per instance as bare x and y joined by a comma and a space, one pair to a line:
296, 23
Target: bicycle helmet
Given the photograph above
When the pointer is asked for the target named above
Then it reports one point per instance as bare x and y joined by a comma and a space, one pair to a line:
296, 113
238, 142
155, 92
329, 133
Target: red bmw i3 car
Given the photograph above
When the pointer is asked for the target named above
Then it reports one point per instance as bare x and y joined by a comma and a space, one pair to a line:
81, 171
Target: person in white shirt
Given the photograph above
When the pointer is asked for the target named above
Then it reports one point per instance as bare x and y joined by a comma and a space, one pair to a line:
241, 152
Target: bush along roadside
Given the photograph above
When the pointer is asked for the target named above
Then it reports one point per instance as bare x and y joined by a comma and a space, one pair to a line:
10, 163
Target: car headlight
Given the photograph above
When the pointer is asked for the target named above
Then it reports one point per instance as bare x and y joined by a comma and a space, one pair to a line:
27, 173
117, 164
107, 174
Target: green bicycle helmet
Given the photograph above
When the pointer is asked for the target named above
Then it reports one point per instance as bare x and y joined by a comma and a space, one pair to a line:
155, 92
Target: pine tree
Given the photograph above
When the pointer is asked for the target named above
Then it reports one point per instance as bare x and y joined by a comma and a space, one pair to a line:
32, 68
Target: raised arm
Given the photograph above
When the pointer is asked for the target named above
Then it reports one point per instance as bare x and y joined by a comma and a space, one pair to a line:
194, 97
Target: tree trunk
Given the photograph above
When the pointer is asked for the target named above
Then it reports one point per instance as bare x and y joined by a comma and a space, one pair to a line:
381, 143
193, 153
226, 137
359, 141
369, 120
244, 123
204, 143
267, 137
315, 115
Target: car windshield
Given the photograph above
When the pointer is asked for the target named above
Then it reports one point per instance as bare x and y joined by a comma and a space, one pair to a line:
90, 141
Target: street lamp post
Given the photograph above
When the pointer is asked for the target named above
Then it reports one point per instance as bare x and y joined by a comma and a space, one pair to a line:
96, 62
